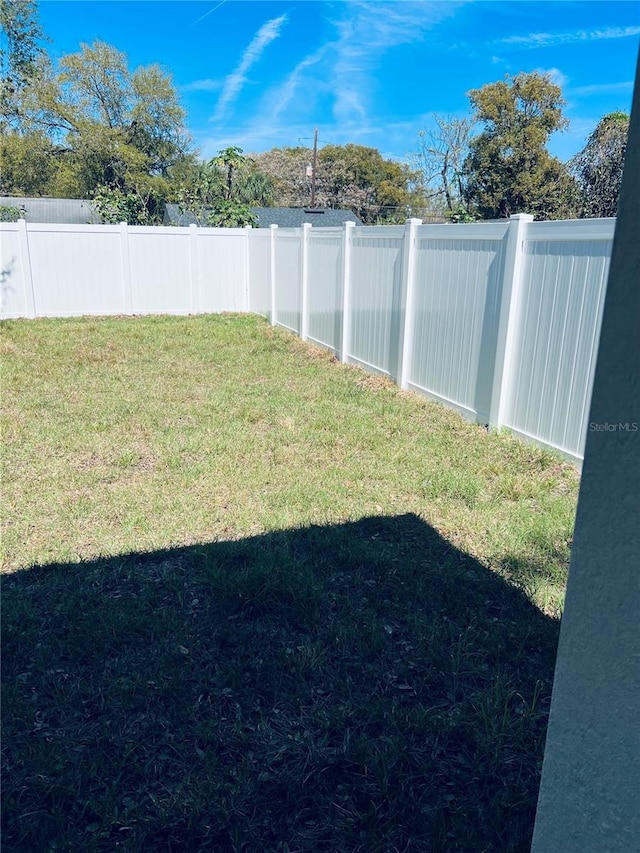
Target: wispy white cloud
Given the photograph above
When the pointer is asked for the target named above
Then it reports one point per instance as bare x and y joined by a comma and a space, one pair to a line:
603, 88
340, 74
262, 136
366, 32
281, 96
533, 40
207, 85
556, 76
336, 77
267, 33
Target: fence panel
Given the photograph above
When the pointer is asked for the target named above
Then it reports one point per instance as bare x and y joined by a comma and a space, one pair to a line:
457, 310
76, 270
557, 332
15, 281
324, 302
287, 267
259, 271
160, 270
375, 299
221, 269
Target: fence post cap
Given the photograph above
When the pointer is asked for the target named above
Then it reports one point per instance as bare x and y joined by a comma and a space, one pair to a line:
526, 217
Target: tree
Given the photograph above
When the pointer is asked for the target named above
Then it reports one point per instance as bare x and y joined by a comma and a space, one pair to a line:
286, 170
440, 163
115, 206
108, 129
27, 163
20, 53
231, 214
360, 178
255, 188
347, 176
598, 167
509, 169
222, 191
230, 160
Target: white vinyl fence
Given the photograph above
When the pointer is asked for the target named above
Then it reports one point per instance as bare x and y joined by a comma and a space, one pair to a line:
49, 270
499, 320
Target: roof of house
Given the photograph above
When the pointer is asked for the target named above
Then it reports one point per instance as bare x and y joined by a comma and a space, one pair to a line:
71, 211
173, 215
285, 217
294, 217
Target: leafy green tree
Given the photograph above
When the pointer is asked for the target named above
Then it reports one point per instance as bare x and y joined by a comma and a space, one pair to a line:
222, 191
27, 163
509, 169
115, 206
231, 214
598, 167
21, 53
9, 214
106, 126
230, 160
253, 187
347, 176
360, 178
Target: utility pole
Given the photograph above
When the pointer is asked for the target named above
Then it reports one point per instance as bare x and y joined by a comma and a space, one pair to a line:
313, 168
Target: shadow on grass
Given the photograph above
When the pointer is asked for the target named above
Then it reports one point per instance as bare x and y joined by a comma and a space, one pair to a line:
359, 687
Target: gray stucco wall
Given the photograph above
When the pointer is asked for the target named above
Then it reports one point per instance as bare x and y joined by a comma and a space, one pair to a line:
590, 791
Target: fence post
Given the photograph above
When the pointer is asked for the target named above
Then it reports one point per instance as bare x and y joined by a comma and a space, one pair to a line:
272, 271
194, 272
125, 266
408, 315
346, 291
304, 281
509, 312
27, 273
246, 291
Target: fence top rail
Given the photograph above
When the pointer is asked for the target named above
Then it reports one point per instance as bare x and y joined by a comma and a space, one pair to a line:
481, 231
331, 231
570, 230
382, 232
114, 228
50, 227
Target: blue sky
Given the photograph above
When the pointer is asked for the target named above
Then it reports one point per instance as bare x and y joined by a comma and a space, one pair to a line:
264, 74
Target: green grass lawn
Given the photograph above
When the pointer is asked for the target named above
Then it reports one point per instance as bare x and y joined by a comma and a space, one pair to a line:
257, 600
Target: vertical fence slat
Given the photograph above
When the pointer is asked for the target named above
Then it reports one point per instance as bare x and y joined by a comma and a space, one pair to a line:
509, 308
246, 301
408, 310
346, 291
194, 272
27, 272
304, 281
125, 268
272, 272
